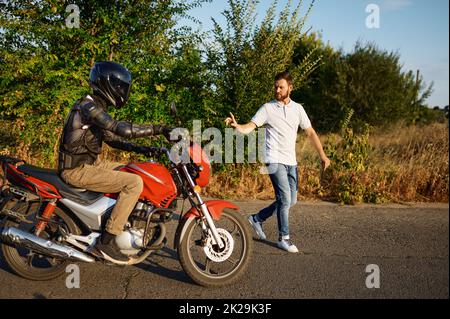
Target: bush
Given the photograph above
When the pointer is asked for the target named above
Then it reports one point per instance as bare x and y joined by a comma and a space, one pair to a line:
347, 177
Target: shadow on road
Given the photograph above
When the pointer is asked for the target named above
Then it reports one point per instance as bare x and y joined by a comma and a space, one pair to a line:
266, 242
155, 266
151, 265
4, 266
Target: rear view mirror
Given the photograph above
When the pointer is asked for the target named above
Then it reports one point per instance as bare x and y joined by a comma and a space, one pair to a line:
173, 109
174, 112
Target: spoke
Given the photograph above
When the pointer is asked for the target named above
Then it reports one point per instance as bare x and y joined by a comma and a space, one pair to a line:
192, 241
30, 257
195, 243
198, 242
232, 261
235, 231
53, 261
208, 265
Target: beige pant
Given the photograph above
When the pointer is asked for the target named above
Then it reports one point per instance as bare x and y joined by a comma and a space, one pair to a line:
101, 177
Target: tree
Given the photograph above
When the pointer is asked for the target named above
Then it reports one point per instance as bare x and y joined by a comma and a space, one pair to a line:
318, 94
45, 63
244, 58
368, 80
378, 89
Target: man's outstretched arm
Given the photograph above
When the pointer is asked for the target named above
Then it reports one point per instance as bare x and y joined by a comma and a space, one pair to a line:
243, 129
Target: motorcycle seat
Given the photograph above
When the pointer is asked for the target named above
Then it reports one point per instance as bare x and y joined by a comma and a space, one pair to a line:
51, 176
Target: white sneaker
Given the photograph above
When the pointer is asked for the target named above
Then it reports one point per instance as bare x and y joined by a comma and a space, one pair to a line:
257, 227
287, 245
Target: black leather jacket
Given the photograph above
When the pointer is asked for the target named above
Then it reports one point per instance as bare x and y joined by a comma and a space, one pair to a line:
88, 125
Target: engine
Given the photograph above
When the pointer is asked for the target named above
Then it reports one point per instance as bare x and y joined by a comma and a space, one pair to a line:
131, 241
145, 229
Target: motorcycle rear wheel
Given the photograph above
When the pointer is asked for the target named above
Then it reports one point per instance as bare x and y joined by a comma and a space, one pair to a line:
200, 267
25, 262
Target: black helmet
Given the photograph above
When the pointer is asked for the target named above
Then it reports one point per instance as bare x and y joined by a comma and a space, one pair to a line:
112, 82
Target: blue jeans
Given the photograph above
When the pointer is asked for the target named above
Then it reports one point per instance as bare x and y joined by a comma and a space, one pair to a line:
285, 183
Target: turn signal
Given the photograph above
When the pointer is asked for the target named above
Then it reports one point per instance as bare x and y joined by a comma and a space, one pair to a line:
197, 189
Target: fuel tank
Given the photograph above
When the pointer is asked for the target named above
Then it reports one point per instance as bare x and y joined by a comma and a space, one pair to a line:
159, 186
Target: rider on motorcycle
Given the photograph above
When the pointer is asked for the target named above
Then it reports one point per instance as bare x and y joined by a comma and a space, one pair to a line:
86, 127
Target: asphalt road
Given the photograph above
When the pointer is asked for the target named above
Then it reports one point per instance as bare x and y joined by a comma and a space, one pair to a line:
408, 243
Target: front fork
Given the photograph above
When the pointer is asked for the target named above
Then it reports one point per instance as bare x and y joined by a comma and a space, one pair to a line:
209, 221
212, 227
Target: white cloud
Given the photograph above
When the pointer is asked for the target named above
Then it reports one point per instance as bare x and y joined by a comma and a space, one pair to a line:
395, 5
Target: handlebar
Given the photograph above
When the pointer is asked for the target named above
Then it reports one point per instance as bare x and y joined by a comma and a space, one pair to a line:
158, 151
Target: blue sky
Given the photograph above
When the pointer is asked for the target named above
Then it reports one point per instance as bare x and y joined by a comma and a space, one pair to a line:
417, 29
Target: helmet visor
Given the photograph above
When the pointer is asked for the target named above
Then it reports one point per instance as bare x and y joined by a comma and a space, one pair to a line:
121, 90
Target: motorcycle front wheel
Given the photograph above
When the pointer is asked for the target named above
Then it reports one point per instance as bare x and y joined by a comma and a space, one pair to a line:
211, 266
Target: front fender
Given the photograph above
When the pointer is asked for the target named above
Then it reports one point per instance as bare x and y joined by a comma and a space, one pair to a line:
215, 208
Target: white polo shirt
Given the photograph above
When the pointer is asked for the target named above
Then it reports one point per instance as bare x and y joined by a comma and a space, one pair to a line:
282, 123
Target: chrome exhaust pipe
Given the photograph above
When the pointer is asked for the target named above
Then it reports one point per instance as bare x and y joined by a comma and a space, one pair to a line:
23, 239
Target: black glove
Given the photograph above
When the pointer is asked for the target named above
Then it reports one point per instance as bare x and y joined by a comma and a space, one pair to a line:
152, 151
142, 150
166, 132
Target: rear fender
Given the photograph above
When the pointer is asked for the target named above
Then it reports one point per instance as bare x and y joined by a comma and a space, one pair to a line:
30, 183
215, 208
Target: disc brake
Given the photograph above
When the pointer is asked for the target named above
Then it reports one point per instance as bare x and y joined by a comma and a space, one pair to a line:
216, 254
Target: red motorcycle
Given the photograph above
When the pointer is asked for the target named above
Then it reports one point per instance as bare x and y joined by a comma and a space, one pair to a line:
45, 224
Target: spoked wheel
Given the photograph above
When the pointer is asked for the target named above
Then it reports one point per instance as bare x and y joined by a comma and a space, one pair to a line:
32, 265
209, 265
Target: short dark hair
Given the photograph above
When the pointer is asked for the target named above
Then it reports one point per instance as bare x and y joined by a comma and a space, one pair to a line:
284, 76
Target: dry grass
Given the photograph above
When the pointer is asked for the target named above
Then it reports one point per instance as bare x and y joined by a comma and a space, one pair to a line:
407, 164
413, 162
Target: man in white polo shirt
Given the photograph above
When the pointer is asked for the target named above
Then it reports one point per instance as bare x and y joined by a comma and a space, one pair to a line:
282, 117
